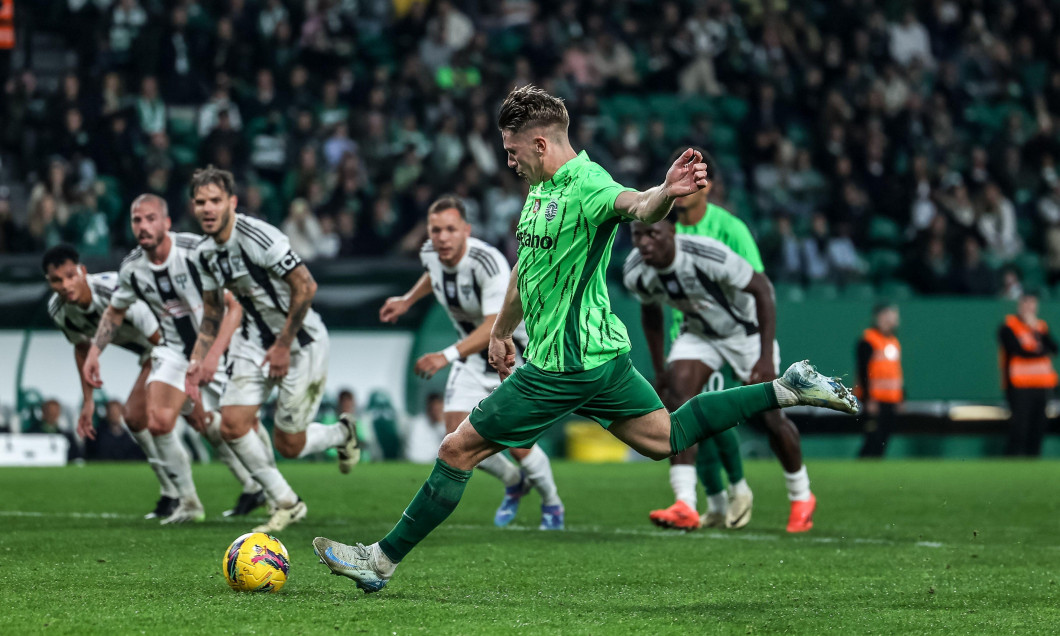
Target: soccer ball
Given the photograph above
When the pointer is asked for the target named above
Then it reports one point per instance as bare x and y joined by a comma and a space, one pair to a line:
256, 562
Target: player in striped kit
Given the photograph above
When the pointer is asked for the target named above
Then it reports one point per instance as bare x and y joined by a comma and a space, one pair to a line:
76, 306
282, 343
469, 278
161, 274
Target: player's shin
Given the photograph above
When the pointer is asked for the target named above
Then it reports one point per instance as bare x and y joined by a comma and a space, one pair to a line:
249, 449
502, 468
708, 414
177, 464
146, 442
432, 505
225, 454
320, 437
539, 470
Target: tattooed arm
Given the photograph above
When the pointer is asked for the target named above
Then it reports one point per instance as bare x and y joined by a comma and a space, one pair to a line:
213, 312
108, 326
303, 288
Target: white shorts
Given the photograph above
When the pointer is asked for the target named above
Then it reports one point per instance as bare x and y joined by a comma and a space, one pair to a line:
169, 367
740, 352
469, 382
301, 390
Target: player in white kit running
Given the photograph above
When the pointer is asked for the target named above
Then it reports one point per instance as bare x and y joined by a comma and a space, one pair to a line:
76, 306
161, 273
282, 343
729, 317
469, 278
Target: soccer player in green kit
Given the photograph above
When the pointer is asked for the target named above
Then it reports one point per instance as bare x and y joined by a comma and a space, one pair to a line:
578, 351
696, 216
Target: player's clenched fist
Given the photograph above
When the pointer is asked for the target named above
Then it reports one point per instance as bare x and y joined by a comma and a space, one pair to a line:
502, 355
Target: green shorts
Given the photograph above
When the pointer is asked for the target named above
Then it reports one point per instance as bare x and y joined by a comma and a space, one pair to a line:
530, 401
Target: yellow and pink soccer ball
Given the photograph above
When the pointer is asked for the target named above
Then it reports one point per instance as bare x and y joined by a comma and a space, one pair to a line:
256, 562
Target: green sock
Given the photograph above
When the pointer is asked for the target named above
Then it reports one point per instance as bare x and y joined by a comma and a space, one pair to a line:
708, 467
435, 501
729, 450
708, 414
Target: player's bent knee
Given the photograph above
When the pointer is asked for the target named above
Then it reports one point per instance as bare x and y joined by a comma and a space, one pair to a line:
161, 420
135, 418
287, 445
234, 428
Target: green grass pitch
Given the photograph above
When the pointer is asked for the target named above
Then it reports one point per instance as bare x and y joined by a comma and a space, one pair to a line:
898, 547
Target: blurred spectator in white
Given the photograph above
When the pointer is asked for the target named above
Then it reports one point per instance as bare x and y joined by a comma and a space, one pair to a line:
956, 204
614, 62
1011, 284
126, 21
272, 14
910, 41
220, 102
425, 432
843, 257
308, 239
456, 28
997, 223
448, 150
150, 109
816, 264
338, 145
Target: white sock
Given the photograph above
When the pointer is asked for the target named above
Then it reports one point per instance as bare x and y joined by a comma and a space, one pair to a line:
147, 444
177, 463
718, 502
266, 439
539, 470
798, 484
785, 397
251, 452
381, 562
683, 480
502, 468
741, 488
225, 454
320, 437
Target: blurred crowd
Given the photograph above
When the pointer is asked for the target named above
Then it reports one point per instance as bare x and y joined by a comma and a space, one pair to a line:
862, 140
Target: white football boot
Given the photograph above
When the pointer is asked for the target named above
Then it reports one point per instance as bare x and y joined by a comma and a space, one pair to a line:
350, 452
283, 517
365, 565
814, 389
739, 514
188, 511
712, 520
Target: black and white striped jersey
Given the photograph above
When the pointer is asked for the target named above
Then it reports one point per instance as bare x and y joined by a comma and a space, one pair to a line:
79, 324
173, 290
705, 281
472, 290
252, 264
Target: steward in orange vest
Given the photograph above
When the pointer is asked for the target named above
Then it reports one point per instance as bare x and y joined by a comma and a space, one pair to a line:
880, 386
1027, 375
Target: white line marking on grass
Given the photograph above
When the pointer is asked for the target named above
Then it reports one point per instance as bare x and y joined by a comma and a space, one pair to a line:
668, 534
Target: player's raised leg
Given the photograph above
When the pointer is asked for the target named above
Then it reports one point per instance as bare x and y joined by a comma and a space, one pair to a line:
164, 405
136, 419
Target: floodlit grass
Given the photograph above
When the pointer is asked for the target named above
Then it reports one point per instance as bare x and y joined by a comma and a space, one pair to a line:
898, 547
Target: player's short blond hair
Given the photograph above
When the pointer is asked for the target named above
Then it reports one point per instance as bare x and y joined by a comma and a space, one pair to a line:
530, 107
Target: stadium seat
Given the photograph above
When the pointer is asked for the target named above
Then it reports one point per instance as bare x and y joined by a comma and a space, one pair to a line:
895, 290
884, 263
884, 232
789, 292
822, 291
859, 291
733, 109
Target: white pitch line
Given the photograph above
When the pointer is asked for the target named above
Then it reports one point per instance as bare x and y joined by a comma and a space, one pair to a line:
669, 534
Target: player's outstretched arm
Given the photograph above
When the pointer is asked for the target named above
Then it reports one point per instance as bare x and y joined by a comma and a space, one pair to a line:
233, 315
686, 176
501, 347
396, 306
766, 308
213, 313
476, 341
108, 326
85, 422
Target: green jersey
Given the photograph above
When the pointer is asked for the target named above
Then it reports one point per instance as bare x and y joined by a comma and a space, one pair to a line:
722, 225
565, 234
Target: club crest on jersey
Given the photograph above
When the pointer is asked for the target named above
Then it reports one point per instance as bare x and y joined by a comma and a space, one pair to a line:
181, 280
466, 290
536, 206
550, 210
165, 285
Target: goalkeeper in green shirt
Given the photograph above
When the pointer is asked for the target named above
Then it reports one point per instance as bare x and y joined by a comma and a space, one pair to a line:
577, 357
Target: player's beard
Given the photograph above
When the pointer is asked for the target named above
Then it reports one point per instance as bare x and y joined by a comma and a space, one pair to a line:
224, 218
